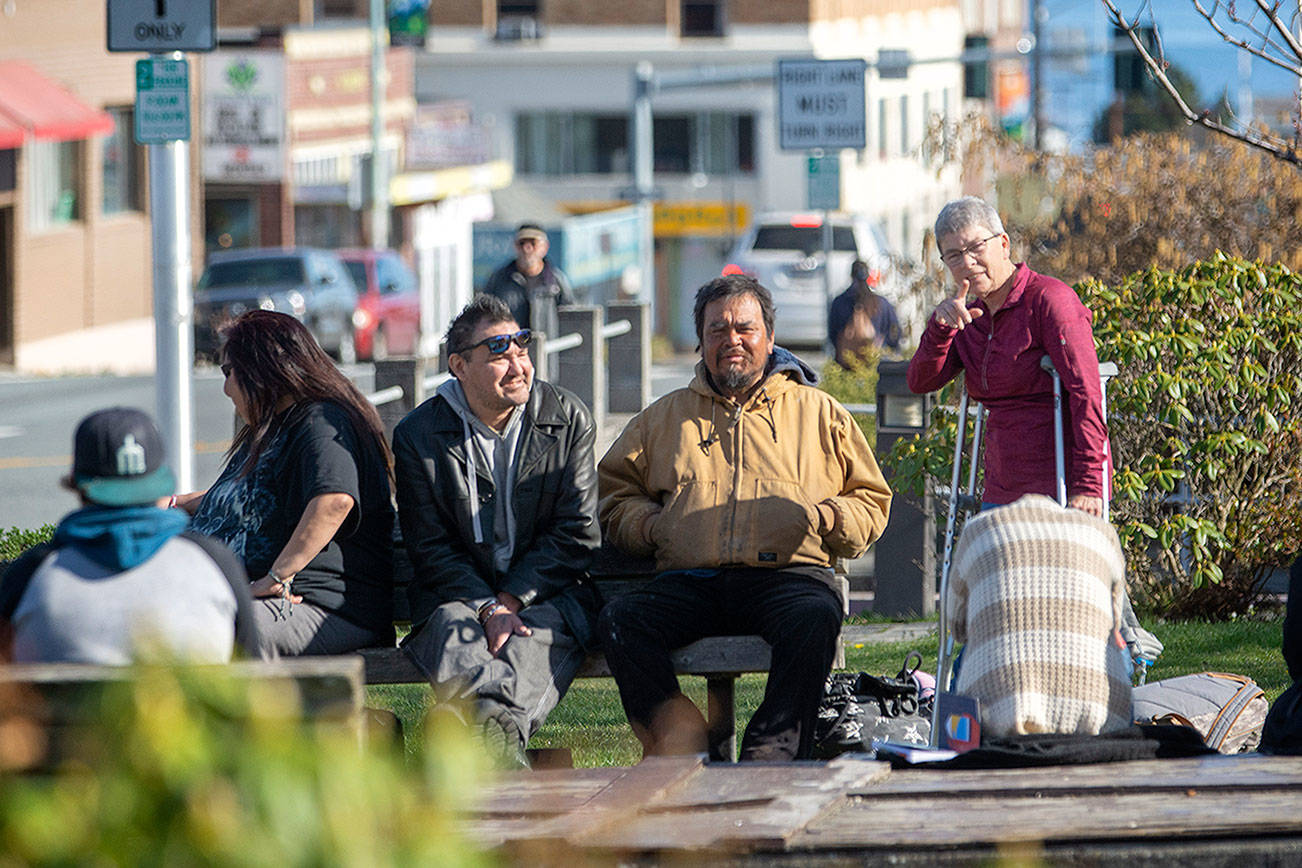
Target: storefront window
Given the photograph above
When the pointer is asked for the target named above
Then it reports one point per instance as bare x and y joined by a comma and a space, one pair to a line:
569, 143
229, 223
54, 183
8, 162
122, 165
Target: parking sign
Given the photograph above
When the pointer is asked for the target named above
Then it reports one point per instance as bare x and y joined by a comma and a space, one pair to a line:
162, 101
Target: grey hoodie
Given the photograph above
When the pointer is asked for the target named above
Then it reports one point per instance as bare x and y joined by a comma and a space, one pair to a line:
495, 454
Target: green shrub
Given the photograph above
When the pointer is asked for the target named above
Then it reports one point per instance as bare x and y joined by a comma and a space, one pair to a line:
15, 541
187, 767
854, 385
1205, 430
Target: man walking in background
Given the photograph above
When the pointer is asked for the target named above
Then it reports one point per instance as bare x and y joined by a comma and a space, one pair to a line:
530, 284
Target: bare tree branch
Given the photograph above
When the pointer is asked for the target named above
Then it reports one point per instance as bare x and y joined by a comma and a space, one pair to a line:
1258, 138
1265, 48
1272, 15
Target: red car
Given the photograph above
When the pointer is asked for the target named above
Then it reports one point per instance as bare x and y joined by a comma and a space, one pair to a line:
387, 319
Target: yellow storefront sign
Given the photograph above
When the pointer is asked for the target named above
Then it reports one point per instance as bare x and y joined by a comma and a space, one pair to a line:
700, 219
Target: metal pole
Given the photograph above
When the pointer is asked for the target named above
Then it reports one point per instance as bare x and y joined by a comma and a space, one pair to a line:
169, 214
643, 142
1038, 14
379, 216
643, 168
828, 290
1059, 459
945, 649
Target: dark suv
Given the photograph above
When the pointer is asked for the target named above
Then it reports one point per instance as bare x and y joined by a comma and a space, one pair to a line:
310, 284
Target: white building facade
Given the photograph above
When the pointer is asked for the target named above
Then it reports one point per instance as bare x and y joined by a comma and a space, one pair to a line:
556, 83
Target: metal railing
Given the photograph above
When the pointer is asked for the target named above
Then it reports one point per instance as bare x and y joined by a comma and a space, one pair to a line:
551, 347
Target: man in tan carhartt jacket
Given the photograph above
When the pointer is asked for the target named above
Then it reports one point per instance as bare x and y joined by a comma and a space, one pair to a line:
744, 486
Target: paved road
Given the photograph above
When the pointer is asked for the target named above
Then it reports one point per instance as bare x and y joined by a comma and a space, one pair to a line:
41, 413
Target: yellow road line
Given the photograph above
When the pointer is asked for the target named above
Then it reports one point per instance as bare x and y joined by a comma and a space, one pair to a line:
24, 462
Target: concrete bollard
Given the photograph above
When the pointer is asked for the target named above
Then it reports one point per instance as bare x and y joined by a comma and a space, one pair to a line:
904, 558
542, 363
629, 358
582, 369
407, 372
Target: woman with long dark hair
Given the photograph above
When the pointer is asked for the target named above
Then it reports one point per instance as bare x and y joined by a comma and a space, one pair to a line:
305, 497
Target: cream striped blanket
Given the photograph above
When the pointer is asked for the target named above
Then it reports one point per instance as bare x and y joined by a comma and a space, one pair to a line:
1036, 596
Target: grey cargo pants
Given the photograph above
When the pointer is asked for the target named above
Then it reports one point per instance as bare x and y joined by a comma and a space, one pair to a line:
520, 686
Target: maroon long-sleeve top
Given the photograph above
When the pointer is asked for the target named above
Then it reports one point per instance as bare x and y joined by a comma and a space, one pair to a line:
1001, 355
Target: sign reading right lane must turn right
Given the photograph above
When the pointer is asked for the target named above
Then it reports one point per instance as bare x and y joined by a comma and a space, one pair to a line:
821, 104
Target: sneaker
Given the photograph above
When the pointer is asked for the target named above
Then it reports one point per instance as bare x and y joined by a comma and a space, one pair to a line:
503, 745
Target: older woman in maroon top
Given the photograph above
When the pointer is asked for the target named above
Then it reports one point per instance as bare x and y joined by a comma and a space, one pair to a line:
1014, 318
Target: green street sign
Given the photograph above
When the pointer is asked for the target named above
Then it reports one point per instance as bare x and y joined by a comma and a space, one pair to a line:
162, 101
824, 188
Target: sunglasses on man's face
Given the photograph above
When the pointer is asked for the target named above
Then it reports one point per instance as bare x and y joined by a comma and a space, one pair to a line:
499, 344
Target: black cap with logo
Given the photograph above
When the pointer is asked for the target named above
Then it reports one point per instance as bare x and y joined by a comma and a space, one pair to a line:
118, 460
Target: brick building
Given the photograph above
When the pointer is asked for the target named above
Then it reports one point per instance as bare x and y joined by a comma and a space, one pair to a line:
75, 267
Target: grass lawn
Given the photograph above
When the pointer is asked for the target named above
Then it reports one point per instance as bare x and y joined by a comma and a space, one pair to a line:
591, 722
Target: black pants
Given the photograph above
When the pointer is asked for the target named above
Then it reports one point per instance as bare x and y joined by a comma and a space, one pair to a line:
1293, 622
799, 616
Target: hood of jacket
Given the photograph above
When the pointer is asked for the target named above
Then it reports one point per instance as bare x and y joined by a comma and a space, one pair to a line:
473, 428
119, 538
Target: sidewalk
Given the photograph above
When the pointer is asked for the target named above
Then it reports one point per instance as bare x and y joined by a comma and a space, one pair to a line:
863, 634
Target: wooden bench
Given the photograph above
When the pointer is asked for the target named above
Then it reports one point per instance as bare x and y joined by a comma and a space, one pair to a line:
65, 699
719, 659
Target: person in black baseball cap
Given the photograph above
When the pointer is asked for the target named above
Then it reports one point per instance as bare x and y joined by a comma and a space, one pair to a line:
117, 459
123, 578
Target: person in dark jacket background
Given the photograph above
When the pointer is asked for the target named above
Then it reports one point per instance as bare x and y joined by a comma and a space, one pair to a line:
860, 318
497, 499
531, 284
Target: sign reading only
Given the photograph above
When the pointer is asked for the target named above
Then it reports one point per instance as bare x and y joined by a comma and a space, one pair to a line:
162, 25
821, 104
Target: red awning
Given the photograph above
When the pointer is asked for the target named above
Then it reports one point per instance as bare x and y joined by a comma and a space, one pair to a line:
35, 104
11, 135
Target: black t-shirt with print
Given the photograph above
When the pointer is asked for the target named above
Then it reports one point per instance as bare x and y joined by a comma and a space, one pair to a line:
313, 449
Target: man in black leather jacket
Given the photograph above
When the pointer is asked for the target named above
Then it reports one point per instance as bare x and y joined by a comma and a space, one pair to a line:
497, 498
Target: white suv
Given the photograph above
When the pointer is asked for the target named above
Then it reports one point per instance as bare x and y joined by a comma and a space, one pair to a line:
784, 252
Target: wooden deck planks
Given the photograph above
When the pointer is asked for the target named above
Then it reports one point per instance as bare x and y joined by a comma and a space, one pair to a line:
682, 805
670, 803
1156, 799
874, 823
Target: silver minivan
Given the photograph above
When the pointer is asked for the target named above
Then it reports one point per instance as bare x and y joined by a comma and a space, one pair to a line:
309, 284
784, 252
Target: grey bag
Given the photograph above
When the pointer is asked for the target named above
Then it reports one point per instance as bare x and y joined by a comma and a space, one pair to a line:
1228, 711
